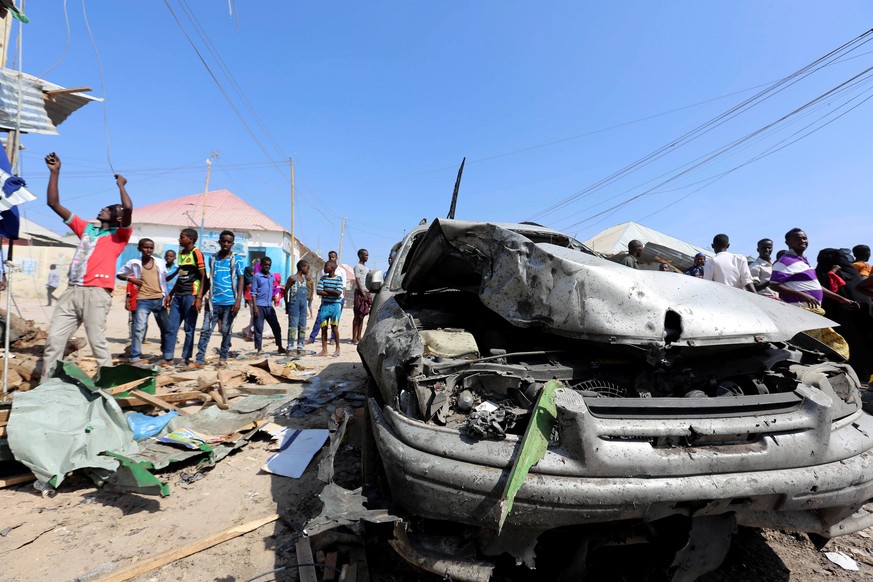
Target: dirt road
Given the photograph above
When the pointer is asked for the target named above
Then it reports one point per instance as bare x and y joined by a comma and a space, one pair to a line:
85, 533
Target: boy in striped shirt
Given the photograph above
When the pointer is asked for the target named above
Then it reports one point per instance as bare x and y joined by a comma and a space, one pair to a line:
330, 289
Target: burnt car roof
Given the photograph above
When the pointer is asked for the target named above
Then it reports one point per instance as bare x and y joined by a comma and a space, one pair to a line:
576, 293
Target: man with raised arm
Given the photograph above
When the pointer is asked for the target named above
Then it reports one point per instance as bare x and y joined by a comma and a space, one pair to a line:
88, 296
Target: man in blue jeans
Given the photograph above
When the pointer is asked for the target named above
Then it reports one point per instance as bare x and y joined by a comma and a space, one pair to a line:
262, 296
149, 274
225, 297
186, 297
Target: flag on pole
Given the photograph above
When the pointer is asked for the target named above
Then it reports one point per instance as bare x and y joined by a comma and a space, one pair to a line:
13, 193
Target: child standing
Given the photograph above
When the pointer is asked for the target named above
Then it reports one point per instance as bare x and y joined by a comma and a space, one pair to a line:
148, 274
296, 303
225, 298
185, 298
172, 267
330, 289
262, 298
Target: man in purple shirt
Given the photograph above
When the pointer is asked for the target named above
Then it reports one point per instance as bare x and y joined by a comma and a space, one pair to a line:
795, 280
262, 297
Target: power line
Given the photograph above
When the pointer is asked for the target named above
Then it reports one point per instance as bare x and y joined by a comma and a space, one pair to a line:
856, 79
102, 87
705, 159
717, 121
770, 151
201, 32
222, 89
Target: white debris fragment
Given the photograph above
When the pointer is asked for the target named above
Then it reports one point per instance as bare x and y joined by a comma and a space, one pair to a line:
487, 407
842, 560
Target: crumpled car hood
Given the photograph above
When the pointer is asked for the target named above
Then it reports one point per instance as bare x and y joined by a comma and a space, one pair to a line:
575, 294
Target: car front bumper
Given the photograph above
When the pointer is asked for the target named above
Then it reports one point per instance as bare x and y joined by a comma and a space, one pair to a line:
433, 472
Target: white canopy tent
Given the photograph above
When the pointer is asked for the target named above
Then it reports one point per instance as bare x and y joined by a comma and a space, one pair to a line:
660, 247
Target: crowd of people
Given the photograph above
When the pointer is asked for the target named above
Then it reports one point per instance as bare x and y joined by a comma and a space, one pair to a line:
177, 288
839, 286
182, 285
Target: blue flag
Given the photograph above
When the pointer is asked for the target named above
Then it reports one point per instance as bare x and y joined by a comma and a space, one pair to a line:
10, 223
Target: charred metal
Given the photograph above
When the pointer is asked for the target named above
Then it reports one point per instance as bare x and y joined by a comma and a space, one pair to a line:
679, 398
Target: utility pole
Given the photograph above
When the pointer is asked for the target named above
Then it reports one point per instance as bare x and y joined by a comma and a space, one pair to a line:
5, 30
12, 137
339, 253
293, 240
206, 193
11, 142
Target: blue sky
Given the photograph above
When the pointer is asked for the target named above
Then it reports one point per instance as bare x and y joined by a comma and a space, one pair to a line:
378, 103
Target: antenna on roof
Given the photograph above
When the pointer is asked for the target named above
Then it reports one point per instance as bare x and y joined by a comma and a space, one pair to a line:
457, 187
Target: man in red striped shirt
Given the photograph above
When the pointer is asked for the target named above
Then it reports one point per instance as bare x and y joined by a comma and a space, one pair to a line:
92, 272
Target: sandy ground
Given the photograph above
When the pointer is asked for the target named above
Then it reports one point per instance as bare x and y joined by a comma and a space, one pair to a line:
84, 533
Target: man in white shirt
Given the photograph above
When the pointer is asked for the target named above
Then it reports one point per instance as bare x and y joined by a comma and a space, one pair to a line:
762, 269
728, 268
363, 300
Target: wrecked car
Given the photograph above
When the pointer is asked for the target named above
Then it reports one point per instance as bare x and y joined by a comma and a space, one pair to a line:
679, 407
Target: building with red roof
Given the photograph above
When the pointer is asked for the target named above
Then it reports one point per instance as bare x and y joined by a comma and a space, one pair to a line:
257, 235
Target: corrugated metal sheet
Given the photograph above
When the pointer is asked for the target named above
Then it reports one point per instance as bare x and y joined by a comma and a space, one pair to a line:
656, 254
223, 210
32, 231
37, 114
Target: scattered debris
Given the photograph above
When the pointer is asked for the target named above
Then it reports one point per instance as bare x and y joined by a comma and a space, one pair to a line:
441, 555
343, 507
173, 555
70, 423
287, 372
842, 560
66, 424
533, 447
190, 439
296, 451
16, 480
340, 421
317, 393
145, 426
304, 557
490, 421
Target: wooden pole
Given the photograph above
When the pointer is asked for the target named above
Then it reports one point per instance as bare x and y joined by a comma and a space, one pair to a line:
205, 194
13, 137
339, 252
293, 240
5, 30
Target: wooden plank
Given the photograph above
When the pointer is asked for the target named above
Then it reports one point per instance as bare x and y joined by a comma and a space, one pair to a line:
127, 386
162, 404
54, 92
358, 556
330, 571
349, 573
264, 390
304, 556
4, 415
16, 480
2, 431
174, 555
170, 398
